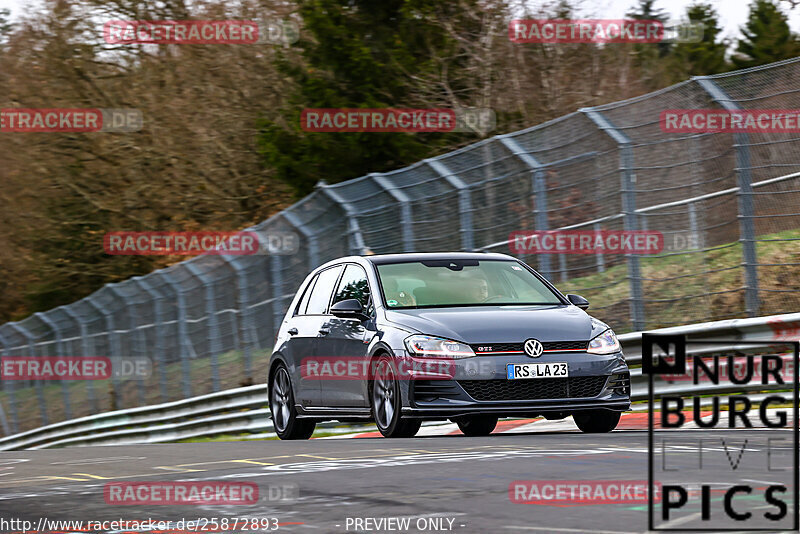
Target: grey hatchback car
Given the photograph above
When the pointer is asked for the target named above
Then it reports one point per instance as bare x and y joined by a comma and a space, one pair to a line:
469, 337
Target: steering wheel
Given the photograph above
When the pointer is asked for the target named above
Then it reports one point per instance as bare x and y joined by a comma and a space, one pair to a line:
494, 297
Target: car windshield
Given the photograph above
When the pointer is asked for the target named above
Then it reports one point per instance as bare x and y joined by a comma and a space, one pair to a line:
436, 283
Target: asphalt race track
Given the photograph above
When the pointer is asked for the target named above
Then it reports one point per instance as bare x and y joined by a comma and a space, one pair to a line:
449, 483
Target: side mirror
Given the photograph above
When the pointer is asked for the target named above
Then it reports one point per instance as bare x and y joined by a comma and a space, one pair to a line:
578, 301
348, 309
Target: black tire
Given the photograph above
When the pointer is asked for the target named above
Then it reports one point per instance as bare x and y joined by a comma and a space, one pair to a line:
386, 404
596, 421
281, 404
477, 425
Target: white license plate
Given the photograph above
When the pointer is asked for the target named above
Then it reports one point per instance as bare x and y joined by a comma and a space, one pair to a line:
518, 371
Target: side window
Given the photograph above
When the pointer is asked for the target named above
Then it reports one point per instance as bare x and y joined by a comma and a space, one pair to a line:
353, 285
321, 294
301, 308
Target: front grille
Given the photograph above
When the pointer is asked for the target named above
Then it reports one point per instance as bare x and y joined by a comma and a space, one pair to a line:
565, 345
586, 386
496, 347
546, 388
552, 346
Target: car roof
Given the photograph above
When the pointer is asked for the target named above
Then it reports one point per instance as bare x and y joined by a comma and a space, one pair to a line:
381, 259
422, 256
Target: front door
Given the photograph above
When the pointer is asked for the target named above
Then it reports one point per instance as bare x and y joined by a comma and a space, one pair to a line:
308, 322
344, 342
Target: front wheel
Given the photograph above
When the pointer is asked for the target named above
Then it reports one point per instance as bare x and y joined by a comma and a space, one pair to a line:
596, 421
281, 404
477, 425
386, 403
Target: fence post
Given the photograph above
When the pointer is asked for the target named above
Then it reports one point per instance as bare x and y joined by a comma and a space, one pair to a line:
539, 187
12, 398
183, 335
244, 324
744, 179
601, 262
694, 229
37, 383
60, 351
276, 277
562, 266
630, 222
90, 393
4, 420
131, 329
113, 344
313, 245
159, 345
355, 238
405, 209
464, 201
213, 326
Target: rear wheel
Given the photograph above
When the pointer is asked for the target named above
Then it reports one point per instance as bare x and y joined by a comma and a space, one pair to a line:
281, 404
386, 403
596, 421
477, 425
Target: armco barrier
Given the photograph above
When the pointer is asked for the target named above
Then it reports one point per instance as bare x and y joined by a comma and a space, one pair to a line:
244, 410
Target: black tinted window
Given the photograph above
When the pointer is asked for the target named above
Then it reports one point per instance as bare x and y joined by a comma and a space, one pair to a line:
353, 286
321, 294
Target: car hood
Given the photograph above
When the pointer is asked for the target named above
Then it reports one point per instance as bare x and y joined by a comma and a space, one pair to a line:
500, 324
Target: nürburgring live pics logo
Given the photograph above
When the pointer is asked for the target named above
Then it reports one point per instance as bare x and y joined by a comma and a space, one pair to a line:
733, 469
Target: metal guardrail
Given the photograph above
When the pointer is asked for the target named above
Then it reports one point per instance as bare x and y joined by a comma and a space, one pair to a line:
243, 410
770, 329
151, 423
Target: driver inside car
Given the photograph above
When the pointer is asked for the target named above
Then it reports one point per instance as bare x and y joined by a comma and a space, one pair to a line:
479, 290
395, 297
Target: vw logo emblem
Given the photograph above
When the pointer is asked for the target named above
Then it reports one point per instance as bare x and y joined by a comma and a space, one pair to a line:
533, 348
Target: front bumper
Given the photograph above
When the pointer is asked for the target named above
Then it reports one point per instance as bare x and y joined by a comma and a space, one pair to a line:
480, 385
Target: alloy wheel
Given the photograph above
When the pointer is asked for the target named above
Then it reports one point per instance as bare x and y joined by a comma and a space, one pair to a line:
279, 401
384, 399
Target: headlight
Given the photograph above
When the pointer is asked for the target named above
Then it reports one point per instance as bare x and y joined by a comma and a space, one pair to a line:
605, 343
437, 347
